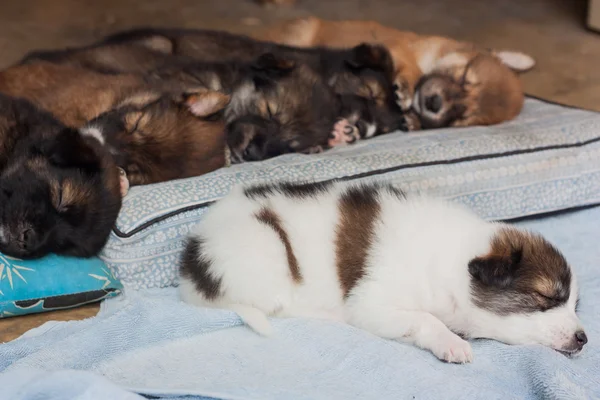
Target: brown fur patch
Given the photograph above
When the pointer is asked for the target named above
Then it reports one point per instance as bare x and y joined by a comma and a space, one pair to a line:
272, 220
359, 210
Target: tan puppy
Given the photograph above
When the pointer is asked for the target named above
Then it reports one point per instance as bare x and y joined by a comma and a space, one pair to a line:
444, 81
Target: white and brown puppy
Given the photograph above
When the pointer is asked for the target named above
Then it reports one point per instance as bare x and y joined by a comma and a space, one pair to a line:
410, 268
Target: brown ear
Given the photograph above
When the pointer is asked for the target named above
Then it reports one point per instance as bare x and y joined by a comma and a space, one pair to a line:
206, 103
71, 149
370, 56
269, 67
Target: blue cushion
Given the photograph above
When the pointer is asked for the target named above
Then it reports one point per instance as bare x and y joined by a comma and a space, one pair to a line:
548, 159
53, 282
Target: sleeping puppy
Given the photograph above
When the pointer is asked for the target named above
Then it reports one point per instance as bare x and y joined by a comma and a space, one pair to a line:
279, 105
364, 70
154, 135
276, 105
444, 81
60, 190
273, 106
404, 267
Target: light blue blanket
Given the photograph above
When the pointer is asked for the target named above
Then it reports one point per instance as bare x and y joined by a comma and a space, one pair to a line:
148, 342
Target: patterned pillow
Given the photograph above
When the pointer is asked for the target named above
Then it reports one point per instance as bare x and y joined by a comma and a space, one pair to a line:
548, 159
52, 283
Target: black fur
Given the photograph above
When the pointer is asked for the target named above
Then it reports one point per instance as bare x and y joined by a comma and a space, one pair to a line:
196, 267
497, 271
297, 190
55, 191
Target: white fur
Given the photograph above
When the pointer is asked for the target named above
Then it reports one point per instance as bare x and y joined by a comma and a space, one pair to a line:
515, 60
94, 132
416, 103
451, 60
371, 129
244, 95
430, 54
417, 285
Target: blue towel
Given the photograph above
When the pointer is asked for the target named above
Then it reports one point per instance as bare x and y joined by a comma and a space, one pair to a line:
33, 384
151, 343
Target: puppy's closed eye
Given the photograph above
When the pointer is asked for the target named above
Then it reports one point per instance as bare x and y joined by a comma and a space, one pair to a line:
66, 196
136, 120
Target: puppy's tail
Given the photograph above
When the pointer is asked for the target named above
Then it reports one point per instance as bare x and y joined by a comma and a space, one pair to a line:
254, 318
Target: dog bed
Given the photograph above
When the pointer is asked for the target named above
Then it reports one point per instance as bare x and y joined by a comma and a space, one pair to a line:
546, 160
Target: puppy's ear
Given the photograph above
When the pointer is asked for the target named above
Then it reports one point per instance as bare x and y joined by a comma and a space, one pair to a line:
496, 270
71, 149
515, 60
370, 56
268, 66
206, 103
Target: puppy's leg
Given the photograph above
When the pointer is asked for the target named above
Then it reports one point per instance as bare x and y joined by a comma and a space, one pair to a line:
420, 329
408, 74
313, 150
413, 123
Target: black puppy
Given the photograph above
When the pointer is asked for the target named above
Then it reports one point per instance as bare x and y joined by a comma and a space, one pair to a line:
59, 190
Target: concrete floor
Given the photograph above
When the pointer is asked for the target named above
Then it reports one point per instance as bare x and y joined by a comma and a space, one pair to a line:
568, 56
552, 31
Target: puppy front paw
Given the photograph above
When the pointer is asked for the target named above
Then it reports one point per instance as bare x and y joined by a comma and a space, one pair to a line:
343, 133
412, 121
123, 182
313, 150
451, 348
404, 94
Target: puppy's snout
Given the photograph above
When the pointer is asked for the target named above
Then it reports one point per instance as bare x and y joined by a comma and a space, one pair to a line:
433, 103
26, 239
581, 339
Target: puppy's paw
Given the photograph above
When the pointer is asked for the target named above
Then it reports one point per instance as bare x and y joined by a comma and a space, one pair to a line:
451, 348
412, 121
123, 182
313, 150
404, 95
343, 133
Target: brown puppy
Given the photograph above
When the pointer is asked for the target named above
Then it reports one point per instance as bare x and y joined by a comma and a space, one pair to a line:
154, 135
446, 82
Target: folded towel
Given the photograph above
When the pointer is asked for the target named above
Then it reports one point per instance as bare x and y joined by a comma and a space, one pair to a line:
151, 343
60, 385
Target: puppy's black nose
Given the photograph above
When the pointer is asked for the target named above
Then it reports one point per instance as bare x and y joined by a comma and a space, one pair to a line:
581, 338
433, 103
